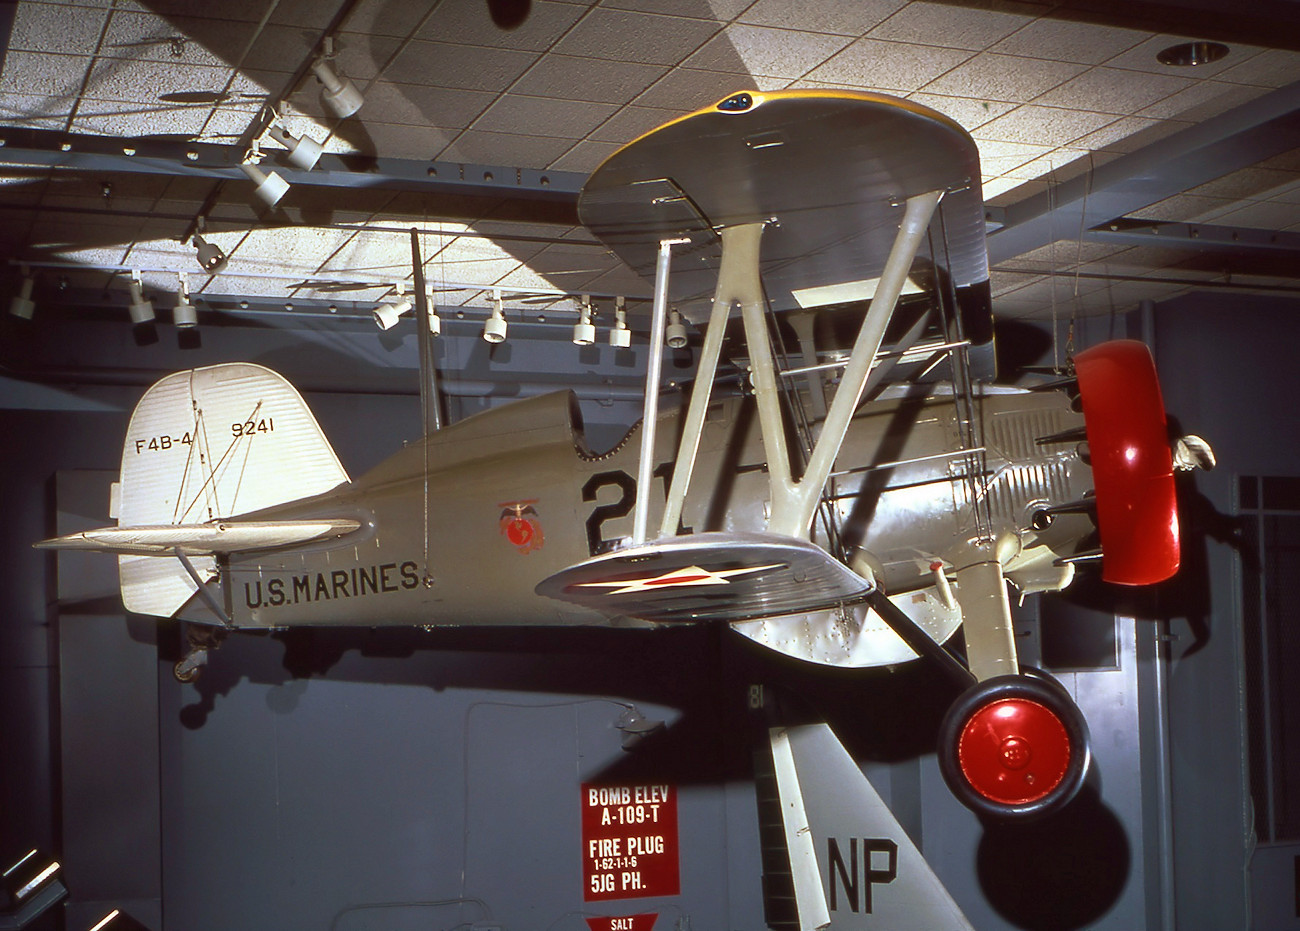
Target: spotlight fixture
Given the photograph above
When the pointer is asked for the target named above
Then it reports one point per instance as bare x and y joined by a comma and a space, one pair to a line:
339, 95
388, 313
675, 334
211, 258
304, 152
270, 186
184, 314
620, 337
143, 328
21, 304
584, 331
141, 308
494, 328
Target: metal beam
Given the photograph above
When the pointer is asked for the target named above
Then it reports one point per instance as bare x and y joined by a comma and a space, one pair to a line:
1234, 240
1255, 131
183, 159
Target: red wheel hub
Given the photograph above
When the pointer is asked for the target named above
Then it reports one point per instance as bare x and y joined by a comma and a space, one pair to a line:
1014, 751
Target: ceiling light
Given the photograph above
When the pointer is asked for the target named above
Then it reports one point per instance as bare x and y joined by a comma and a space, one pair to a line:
1190, 54
584, 331
620, 337
184, 314
141, 308
494, 328
676, 332
21, 304
142, 315
388, 313
304, 152
270, 187
339, 95
210, 256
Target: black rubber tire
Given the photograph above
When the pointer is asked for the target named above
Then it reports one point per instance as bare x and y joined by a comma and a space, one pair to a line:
1042, 691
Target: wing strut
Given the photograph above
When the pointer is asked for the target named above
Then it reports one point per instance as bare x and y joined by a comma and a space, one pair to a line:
794, 501
650, 414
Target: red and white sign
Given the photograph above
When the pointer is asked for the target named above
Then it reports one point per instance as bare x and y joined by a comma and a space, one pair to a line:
629, 843
623, 923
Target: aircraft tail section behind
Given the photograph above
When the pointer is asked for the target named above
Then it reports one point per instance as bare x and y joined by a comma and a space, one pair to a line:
206, 444
851, 865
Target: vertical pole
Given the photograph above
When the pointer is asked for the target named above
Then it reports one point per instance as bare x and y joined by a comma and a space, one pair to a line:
650, 410
430, 396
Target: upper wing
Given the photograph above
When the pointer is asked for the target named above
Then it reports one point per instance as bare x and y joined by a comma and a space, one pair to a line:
831, 169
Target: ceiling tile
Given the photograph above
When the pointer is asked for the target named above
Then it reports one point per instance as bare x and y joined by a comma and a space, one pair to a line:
570, 78
43, 74
1202, 100
998, 157
34, 23
116, 118
1112, 90
760, 50
952, 26
466, 22
1181, 208
407, 140
416, 105
444, 65
493, 148
34, 112
971, 114
995, 188
630, 122
1127, 134
1246, 183
130, 81
720, 11
544, 116
1043, 125
684, 90
827, 16
1003, 77
641, 37
586, 156
1065, 40
1264, 215
284, 48
893, 65
1272, 68
149, 37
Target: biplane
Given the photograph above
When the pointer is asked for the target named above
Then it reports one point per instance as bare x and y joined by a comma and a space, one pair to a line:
853, 504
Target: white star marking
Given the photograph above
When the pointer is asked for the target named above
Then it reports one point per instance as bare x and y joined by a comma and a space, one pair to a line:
678, 578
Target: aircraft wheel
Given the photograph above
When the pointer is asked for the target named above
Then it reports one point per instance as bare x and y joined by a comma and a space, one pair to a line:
184, 672
1014, 747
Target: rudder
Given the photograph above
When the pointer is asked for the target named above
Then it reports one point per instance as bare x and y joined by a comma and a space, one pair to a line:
212, 443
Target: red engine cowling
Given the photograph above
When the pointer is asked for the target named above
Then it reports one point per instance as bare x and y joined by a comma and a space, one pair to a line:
1132, 465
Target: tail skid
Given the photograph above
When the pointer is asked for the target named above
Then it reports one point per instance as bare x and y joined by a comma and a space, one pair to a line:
852, 864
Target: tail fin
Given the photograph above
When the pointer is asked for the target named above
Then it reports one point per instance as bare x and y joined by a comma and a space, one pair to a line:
851, 863
206, 444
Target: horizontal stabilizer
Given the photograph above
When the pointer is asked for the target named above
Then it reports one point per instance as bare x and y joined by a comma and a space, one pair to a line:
722, 576
852, 863
218, 536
